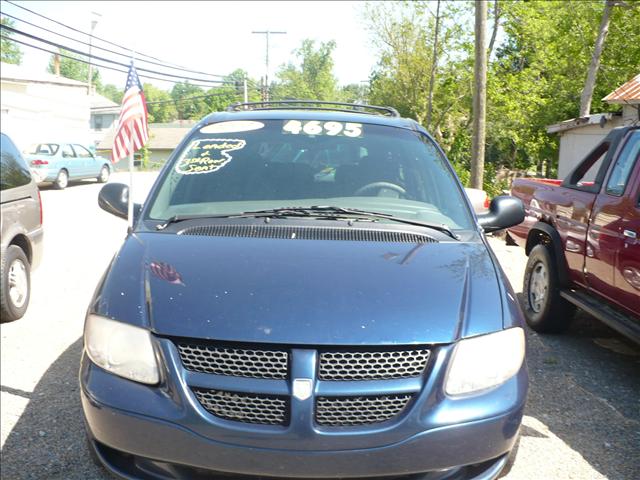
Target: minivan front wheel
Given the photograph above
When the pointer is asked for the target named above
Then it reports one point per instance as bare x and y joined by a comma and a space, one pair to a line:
62, 180
16, 284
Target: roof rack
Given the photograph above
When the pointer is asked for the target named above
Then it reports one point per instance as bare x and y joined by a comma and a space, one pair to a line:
314, 105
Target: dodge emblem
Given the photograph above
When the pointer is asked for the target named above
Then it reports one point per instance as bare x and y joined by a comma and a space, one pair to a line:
302, 388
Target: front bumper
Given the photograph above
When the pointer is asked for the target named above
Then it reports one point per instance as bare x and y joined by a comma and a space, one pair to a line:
158, 432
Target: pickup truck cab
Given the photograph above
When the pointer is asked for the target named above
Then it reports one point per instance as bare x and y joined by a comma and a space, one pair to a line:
582, 236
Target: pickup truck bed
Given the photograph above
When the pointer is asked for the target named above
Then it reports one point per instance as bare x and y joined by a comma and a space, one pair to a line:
583, 239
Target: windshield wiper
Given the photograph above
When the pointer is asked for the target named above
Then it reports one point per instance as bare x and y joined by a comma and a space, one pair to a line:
441, 227
318, 211
278, 212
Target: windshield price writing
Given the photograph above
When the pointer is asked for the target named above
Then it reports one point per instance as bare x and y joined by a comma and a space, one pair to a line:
316, 127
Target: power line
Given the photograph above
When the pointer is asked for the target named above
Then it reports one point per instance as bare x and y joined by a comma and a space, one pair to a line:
169, 64
79, 52
249, 81
105, 49
150, 77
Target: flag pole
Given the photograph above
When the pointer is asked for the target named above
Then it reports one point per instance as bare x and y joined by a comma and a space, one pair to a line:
131, 146
130, 205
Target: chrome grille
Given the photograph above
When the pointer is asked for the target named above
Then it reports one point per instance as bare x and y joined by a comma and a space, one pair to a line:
243, 407
372, 365
351, 411
236, 362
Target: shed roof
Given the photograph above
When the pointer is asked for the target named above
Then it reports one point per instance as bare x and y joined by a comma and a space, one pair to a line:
595, 119
627, 93
99, 101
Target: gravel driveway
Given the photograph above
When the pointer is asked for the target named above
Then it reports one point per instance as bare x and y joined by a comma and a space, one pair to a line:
582, 420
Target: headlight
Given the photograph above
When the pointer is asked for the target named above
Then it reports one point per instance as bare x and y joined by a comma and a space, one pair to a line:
483, 362
121, 349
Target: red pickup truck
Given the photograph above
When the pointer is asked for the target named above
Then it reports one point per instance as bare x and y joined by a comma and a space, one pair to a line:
582, 236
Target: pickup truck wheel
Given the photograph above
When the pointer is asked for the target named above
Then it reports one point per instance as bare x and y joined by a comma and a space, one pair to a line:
16, 284
544, 309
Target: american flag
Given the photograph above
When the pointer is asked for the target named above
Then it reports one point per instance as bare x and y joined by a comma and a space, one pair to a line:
132, 124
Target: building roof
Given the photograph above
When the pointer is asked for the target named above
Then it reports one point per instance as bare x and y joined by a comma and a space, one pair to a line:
162, 136
16, 73
97, 101
627, 93
595, 119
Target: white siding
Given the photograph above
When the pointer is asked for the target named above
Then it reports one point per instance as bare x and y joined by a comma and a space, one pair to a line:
576, 143
34, 112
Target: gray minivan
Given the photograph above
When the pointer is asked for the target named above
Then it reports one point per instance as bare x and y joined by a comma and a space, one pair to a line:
20, 231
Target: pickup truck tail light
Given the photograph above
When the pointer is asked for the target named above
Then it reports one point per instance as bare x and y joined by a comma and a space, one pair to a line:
486, 201
39, 162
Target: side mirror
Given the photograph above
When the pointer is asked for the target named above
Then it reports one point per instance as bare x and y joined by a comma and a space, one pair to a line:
504, 212
113, 198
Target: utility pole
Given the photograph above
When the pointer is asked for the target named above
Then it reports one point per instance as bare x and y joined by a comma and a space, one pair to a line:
246, 93
266, 33
479, 96
94, 22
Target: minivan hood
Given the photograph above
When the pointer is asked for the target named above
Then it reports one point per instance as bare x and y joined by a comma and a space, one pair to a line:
303, 292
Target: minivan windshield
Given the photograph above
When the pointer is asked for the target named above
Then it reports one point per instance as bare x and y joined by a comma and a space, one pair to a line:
240, 166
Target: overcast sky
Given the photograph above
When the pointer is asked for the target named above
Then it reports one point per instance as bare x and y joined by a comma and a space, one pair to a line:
212, 37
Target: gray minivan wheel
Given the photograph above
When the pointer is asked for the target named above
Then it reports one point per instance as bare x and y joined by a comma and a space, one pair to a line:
16, 284
62, 180
104, 174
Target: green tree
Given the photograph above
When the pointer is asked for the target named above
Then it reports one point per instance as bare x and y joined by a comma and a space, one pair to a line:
221, 97
404, 35
75, 70
312, 77
9, 51
539, 71
111, 92
354, 93
160, 105
189, 108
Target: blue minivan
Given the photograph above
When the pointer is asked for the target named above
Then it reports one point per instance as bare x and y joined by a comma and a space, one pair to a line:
305, 293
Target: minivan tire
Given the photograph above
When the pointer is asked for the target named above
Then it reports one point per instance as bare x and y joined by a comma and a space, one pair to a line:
14, 257
544, 309
62, 180
104, 174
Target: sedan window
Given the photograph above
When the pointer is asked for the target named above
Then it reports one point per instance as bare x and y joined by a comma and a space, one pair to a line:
67, 152
82, 151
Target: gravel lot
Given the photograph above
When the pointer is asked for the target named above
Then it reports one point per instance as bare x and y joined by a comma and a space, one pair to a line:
582, 420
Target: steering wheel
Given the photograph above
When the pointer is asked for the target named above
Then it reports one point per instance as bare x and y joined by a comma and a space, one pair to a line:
380, 186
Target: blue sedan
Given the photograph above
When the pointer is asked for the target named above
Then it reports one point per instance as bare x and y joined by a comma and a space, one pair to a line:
61, 163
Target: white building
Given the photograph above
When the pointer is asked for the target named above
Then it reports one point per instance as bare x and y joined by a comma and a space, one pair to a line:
104, 115
38, 107
579, 136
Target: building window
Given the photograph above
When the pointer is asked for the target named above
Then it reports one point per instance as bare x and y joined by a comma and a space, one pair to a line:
97, 122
